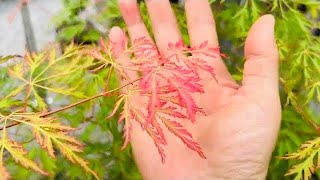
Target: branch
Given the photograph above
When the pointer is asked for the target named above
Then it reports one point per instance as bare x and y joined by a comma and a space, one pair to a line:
75, 104
11, 125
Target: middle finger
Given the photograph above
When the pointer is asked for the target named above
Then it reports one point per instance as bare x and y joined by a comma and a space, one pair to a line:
164, 23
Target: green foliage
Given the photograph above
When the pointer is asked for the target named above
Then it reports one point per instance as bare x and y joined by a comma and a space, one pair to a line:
299, 71
71, 26
41, 82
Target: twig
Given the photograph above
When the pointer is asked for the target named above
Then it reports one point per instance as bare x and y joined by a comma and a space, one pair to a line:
75, 104
11, 125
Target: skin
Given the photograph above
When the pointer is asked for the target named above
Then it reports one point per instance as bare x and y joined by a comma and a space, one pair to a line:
242, 123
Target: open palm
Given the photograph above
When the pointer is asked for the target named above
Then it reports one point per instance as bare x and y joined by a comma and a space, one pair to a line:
240, 129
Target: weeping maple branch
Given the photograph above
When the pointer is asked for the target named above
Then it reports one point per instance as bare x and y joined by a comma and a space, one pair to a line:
175, 76
76, 104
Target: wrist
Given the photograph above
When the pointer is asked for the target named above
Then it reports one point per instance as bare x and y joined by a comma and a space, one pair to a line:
259, 177
243, 171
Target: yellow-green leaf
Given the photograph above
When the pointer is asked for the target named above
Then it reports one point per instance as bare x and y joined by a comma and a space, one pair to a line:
19, 154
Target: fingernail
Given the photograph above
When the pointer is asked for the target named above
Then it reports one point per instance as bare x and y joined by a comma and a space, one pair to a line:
270, 19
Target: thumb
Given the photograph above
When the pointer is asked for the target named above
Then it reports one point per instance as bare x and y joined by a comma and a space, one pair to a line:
261, 66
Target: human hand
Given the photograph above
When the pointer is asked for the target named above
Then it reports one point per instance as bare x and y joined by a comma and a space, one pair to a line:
240, 129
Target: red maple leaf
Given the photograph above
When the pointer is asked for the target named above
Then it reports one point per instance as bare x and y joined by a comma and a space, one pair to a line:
167, 84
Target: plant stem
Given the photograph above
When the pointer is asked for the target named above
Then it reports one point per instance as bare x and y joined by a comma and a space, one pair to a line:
108, 78
28, 92
75, 104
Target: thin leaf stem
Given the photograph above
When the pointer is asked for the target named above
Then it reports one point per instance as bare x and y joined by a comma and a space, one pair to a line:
76, 104
28, 92
108, 78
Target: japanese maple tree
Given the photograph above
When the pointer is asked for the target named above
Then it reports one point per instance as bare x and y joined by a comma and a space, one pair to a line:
162, 95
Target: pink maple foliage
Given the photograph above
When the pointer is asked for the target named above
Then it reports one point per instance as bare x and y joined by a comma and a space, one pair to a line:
167, 84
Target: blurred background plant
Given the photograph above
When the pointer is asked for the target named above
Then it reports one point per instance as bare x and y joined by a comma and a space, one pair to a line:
85, 21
